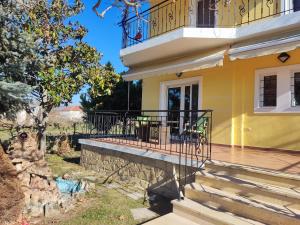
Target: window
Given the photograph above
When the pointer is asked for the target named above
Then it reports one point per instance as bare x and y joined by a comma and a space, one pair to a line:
268, 90
277, 90
295, 89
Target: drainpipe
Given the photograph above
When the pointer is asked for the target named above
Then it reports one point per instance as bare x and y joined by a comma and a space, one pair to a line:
128, 95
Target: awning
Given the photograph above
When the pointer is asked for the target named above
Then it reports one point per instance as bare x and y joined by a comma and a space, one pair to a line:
200, 62
274, 46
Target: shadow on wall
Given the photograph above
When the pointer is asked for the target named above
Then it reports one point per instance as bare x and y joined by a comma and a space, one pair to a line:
136, 171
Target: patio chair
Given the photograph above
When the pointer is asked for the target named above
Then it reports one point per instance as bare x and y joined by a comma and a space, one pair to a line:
145, 128
198, 131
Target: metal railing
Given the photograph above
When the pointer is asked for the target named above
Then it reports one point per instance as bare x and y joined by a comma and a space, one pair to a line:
169, 15
185, 134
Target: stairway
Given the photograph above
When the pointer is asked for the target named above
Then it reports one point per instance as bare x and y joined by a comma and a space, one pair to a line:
226, 193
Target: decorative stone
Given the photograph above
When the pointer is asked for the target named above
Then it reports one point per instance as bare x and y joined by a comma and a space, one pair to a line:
133, 170
36, 178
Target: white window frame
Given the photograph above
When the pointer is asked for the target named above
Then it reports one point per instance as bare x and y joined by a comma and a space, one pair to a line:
284, 92
163, 97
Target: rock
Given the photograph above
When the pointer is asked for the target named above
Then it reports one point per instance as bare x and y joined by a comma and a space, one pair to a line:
36, 179
63, 145
11, 194
66, 176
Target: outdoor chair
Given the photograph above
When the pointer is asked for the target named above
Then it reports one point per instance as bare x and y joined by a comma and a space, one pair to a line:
145, 128
197, 132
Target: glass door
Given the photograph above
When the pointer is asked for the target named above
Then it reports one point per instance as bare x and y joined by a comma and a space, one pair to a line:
174, 99
185, 98
191, 103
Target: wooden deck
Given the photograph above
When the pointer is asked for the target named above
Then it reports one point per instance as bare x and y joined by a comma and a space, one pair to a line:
287, 162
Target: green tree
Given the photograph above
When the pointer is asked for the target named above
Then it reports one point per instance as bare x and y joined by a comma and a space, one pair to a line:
17, 58
116, 97
68, 62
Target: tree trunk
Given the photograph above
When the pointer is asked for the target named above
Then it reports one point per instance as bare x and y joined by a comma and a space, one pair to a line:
42, 141
42, 126
45, 109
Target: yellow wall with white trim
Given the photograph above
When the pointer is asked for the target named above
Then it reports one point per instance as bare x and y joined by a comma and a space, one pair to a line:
229, 91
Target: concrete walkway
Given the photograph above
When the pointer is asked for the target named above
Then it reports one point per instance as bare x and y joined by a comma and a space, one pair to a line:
269, 159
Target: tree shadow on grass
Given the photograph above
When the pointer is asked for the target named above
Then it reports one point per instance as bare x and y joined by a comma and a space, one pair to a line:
75, 160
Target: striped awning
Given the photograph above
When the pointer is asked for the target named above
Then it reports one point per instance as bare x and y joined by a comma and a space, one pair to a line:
262, 48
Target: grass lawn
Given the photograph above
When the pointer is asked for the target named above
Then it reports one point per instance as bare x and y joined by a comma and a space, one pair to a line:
108, 206
101, 206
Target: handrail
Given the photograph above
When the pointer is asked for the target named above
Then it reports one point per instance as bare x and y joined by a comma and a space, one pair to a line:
151, 110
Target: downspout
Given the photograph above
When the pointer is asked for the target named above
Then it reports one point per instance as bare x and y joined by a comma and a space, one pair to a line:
128, 95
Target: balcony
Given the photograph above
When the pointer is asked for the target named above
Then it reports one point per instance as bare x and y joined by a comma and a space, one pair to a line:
174, 27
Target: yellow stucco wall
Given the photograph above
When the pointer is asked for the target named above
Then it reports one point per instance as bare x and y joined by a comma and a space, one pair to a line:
229, 91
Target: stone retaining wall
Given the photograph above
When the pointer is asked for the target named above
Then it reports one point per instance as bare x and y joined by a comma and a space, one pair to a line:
136, 170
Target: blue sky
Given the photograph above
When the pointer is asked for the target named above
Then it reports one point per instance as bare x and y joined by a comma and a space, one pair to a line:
104, 34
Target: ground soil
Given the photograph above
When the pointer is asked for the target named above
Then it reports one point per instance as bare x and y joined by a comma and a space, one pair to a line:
11, 195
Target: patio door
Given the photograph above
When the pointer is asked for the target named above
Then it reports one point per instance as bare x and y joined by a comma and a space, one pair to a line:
182, 97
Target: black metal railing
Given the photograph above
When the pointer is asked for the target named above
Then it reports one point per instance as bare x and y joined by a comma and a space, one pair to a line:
172, 14
186, 134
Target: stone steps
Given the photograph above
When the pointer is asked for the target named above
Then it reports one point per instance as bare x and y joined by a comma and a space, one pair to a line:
233, 194
254, 190
208, 213
255, 174
268, 213
171, 219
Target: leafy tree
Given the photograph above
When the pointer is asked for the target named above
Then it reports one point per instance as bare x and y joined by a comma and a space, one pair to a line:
17, 58
116, 98
68, 63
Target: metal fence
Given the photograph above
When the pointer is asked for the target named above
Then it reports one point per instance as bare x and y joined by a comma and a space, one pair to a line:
169, 15
185, 134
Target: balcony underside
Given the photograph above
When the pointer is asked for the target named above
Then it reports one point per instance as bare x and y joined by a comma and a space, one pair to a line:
187, 40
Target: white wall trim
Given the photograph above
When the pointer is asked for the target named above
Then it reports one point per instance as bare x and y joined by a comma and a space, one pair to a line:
284, 99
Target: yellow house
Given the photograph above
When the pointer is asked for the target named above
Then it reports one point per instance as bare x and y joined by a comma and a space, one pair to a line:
239, 58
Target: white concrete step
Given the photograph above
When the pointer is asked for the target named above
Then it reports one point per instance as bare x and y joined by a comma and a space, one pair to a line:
256, 174
268, 213
287, 197
207, 213
171, 219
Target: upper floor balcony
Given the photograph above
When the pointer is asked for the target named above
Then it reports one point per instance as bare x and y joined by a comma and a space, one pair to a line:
175, 27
